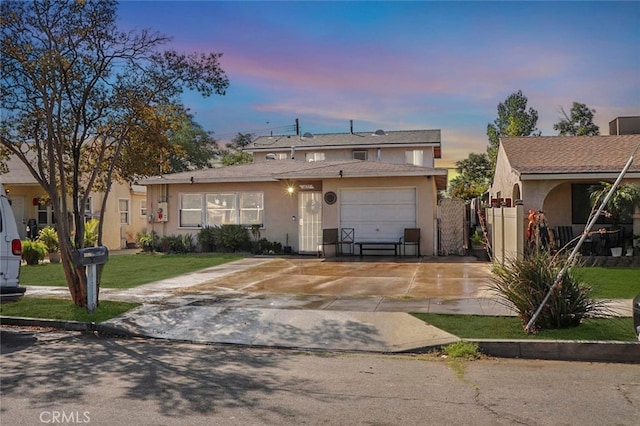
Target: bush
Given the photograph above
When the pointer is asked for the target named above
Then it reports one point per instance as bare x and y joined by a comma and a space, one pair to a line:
233, 238
33, 251
522, 284
176, 244
265, 246
49, 237
208, 238
146, 241
91, 233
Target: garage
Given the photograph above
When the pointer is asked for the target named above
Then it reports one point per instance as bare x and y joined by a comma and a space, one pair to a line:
378, 214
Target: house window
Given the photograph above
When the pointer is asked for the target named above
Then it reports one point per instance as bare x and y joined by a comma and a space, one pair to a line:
314, 156
282, 156
45, 215
360, 155
243, 208
88, 207
251, 208
190, 210
221, 209
143, 207
123, 208
414, 156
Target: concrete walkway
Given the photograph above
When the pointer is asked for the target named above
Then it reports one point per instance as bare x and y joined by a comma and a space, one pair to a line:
310, 303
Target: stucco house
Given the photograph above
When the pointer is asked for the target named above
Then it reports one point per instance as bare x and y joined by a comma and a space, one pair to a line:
377, 183
124, 218
554, 173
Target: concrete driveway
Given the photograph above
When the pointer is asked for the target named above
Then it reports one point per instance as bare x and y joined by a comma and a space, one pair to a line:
347, 276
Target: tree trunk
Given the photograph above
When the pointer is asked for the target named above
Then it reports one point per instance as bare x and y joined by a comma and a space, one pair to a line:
75, 275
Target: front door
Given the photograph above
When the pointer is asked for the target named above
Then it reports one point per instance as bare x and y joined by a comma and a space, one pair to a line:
310, 221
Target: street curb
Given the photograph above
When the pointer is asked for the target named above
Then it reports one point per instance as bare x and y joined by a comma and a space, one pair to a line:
558, 350
87, 327
562, 350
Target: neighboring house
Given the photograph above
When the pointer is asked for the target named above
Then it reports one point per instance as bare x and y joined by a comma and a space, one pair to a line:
125, 215
554, 173
376, 183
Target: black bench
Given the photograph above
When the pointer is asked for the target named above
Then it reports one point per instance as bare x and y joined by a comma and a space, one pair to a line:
378, 245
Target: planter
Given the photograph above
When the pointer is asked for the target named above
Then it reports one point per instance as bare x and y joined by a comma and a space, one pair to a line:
54, 257
616, 251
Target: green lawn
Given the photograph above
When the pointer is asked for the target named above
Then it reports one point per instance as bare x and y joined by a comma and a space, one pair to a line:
612, 283
126, 271
64, 309
487, 327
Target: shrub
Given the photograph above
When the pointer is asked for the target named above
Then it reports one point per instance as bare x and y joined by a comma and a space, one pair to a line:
33, 251
91, 233
522, 284
265, 246
208, 238
233, 238
49, 237
146, 240
175, 244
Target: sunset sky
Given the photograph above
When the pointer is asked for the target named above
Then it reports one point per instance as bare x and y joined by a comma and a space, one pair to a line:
403, 65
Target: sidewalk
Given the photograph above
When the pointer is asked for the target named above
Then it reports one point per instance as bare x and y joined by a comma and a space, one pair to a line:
179, 309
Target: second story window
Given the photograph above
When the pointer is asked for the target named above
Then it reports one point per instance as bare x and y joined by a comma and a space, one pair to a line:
314, 156
360, 155
415, 157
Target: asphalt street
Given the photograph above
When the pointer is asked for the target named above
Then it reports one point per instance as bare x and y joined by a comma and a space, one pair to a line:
50, 374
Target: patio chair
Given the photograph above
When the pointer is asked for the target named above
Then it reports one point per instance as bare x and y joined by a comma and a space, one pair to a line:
411, 237
347, 236
330, 238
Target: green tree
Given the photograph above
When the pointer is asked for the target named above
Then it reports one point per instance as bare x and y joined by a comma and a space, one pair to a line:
474, 177
578, 123
235, 154
80, 100
513, 120
191, 147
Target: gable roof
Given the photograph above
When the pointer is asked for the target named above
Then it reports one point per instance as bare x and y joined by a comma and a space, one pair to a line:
352, 140
18, 173
272, 171
571, 154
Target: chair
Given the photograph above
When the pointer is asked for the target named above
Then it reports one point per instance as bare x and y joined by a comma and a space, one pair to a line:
347, 236
411, 237
330, 238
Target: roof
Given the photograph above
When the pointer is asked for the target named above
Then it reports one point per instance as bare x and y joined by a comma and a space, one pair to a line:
341, 140
570, 154
271, 171
18, 174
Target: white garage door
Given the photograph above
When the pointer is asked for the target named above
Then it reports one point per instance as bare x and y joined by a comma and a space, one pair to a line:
378, 214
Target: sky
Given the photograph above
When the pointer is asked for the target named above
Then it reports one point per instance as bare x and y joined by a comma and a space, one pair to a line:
402, 65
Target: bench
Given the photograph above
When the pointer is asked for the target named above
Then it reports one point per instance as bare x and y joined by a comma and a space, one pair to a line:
378, 245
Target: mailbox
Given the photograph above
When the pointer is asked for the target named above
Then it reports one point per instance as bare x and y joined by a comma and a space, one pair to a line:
90, 256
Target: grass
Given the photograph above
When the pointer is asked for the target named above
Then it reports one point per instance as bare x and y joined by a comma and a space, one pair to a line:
64, 309
490, 327
611, 283
127, 271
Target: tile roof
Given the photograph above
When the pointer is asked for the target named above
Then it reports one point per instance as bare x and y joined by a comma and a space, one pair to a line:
401, 137
571, 154
288, 169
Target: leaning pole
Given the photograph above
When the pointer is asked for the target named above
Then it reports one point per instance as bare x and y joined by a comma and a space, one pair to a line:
584, 235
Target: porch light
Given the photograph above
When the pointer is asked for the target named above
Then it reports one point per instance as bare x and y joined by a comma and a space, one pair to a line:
290, 190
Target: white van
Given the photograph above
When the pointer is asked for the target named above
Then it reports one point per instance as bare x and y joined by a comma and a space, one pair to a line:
10, 253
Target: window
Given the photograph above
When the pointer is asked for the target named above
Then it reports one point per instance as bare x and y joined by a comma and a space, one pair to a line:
360, 155
143, 207
251, 208
123, 208
282, 156
88, 207
314, 156
243, 208
414, 157
190, 210
221, 209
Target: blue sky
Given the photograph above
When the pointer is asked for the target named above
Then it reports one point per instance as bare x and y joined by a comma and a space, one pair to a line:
403, 65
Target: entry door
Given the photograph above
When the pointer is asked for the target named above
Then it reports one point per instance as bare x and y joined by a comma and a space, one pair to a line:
310, 221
